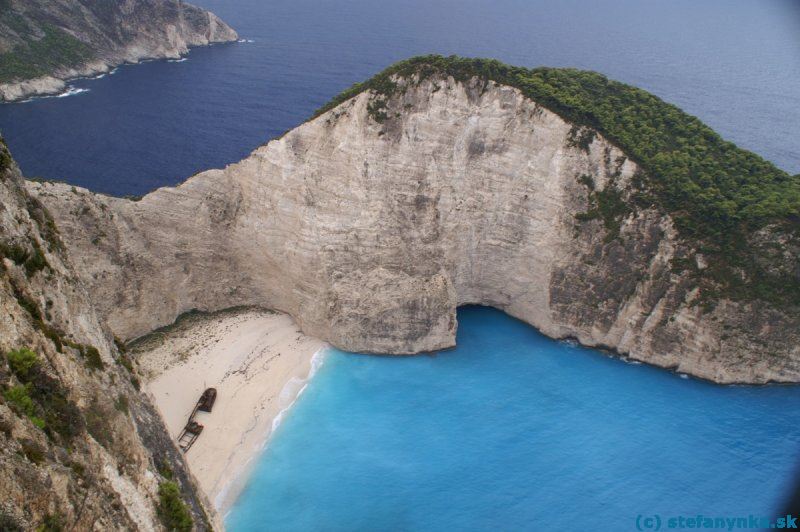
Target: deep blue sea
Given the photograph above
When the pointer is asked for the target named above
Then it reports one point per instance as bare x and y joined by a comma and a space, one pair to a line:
514, 431
511, 430
733, 63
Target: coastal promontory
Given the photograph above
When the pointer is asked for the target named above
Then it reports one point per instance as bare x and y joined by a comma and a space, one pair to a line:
588, 208
43, 42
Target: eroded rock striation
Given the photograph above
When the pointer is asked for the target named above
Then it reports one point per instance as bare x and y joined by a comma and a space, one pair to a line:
45, 42
80, 447
372, 222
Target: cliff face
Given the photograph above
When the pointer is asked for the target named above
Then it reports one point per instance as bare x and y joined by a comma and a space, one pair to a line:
80, 447
371, 223
44, 42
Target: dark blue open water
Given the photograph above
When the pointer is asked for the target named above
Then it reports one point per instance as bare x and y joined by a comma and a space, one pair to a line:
734, 63
514, 431
511, 430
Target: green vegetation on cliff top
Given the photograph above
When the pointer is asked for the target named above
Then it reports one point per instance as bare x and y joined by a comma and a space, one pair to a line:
40, 57
717, 194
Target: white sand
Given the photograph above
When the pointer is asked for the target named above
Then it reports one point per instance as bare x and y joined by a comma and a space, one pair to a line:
257, 360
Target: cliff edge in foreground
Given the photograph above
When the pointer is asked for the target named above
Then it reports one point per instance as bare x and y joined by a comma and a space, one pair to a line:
80, 447
44, 42
585, 207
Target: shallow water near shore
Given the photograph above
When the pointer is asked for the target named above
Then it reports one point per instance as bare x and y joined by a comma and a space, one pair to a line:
512, 430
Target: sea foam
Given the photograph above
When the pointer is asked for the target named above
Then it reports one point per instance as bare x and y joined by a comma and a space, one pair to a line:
290, 392
294, 388
69, 91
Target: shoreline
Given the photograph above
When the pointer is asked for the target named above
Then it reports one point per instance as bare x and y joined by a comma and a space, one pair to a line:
237, 480
60, 86
260, 363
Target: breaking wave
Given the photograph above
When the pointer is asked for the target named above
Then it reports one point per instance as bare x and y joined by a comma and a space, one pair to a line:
71, 91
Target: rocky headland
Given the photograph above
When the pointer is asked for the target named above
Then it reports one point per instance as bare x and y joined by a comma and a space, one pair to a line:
43, 43
444, 182
590, 209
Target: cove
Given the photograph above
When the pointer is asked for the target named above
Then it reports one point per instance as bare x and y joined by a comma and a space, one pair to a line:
515, 431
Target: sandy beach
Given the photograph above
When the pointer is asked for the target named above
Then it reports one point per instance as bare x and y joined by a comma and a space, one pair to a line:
257, 360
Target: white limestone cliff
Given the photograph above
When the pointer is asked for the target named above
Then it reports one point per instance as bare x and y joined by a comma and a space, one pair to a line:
371, 234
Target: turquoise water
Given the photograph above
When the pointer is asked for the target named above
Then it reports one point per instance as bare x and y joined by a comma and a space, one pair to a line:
514, 431
510, 430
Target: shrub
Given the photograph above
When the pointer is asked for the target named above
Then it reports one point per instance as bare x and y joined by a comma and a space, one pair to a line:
171, 509
78, 469
36, 260
609, 206
5, 158
32, 261
125, 362
16, 253
20, 399
60, 414
164, 469
22, 361
51, 523
41, 397
32, 451
89, 353
93, 358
